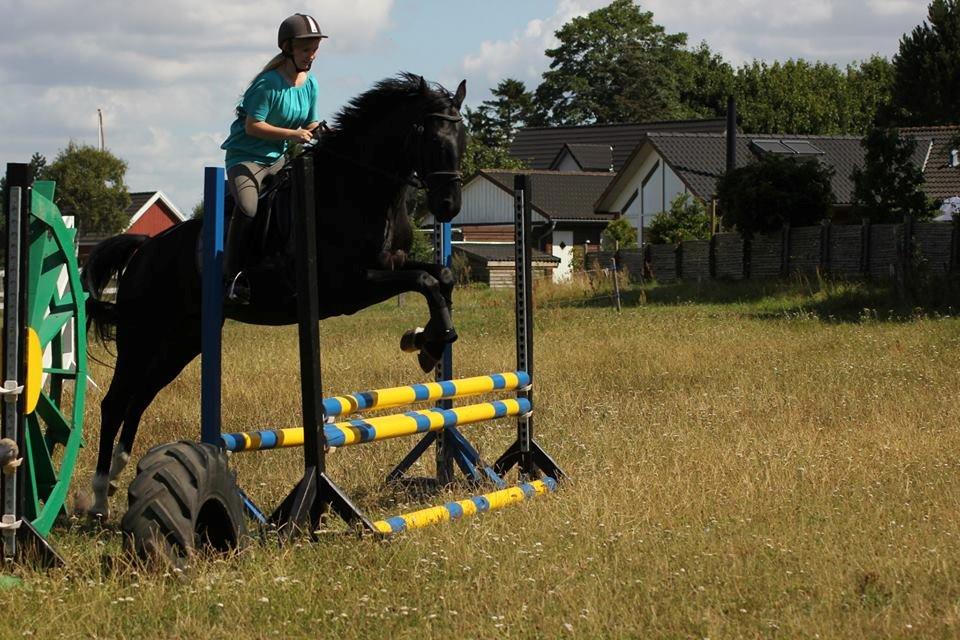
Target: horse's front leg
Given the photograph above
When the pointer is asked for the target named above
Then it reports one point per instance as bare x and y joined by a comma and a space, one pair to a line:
437, 290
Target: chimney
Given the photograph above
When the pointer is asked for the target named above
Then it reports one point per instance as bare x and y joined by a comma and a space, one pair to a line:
731, 134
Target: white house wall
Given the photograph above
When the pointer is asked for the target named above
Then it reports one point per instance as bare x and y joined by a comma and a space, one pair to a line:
485, 203
662, 188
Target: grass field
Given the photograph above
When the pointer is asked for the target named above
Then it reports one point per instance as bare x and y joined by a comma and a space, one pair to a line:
776, 462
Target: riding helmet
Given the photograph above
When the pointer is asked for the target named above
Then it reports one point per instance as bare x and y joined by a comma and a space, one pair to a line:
299, 26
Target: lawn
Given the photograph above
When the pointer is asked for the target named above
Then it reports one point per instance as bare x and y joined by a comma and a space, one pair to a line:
777, 461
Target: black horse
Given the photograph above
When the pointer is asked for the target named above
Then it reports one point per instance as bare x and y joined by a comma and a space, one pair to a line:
403, 133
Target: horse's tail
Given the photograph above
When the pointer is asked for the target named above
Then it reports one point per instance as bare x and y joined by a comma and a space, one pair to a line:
105, 263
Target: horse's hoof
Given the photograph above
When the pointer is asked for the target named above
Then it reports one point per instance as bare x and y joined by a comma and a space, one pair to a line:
98, 516
427, 362
411, 340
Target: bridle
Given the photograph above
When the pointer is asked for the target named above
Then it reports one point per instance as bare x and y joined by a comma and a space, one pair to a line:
422, 176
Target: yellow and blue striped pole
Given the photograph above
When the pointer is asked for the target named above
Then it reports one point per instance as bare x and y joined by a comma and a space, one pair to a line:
468, 507
352, 432
342, 406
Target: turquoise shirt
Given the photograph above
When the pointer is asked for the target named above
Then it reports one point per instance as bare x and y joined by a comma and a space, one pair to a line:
271, 99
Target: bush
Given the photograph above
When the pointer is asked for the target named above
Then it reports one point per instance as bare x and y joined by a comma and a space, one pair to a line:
765, 195
619, 231
687, 219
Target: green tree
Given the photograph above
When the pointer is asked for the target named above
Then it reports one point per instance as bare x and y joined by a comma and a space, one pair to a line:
480, 156
619, 233
791, 97
496, 121
926, 86
765, 195
90, 186
612, 65
869, 87
686, 219
890, 184
705, 83
421, 249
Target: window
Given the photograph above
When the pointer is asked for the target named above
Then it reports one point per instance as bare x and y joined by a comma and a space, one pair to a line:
785, 147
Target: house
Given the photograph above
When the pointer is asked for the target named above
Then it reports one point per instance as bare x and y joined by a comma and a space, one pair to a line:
941, 165
563, 211
149, 213
667, 164
492, 262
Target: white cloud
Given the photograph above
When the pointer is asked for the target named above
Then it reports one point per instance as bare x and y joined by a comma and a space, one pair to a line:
909, 8
161, 73
522, 56
839, 31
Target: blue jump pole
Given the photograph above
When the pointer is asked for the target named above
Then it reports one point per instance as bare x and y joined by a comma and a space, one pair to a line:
212, 304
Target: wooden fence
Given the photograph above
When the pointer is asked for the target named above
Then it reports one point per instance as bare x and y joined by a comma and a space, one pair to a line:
872, 251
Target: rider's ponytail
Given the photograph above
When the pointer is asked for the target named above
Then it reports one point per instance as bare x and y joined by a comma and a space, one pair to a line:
275, 63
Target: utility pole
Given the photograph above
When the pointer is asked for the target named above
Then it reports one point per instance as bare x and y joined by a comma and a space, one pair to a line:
100, 129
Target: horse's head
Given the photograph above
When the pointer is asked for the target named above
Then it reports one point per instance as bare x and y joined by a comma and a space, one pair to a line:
441, 141
402, 126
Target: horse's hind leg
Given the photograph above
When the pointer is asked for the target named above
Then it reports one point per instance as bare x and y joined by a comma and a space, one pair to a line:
159, 368
112, 410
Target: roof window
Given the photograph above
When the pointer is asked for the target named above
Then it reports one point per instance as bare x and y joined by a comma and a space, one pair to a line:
786, 147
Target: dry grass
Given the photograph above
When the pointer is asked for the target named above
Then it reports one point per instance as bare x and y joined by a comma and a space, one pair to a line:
738, 470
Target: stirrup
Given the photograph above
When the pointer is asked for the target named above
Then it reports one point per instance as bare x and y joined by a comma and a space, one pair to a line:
238, 289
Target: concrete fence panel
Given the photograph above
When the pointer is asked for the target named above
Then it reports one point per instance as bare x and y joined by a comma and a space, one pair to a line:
933, 245
729, 256
663, 262
696, 260
805, 250
846, 250
766, 255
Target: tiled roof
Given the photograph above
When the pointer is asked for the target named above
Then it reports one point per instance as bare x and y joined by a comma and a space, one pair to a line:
941, 180
500, 251
700, 159
538, 147
560, 195
590, 157
137, 200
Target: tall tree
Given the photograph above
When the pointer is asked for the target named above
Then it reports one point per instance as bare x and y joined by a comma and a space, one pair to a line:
612, 65
497, 120
791, 97
926, 87
869, 86
890, 184
705, 83
90, 185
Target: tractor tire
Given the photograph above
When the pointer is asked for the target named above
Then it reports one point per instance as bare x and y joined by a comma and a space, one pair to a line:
183, 499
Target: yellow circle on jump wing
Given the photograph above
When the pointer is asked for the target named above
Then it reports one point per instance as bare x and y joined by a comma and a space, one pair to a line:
34, 370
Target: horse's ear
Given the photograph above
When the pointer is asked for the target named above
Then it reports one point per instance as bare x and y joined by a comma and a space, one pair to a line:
460, 94
424, 89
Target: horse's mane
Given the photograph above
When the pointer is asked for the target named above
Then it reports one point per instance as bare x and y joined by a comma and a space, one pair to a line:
370, 108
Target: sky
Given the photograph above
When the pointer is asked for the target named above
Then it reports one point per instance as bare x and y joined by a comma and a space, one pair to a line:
167, 76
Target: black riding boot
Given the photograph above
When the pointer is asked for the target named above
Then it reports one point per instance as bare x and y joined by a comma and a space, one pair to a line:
237, 287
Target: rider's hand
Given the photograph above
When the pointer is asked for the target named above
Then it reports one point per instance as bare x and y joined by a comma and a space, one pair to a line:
301, 135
